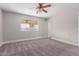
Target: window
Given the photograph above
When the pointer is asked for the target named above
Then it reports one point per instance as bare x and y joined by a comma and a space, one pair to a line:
25, 27
36, 28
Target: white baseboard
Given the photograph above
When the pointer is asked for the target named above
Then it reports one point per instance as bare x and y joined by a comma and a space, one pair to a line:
58, 39
23, 40
39, 38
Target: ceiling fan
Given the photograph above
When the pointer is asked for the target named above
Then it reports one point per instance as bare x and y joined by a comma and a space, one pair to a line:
42, 7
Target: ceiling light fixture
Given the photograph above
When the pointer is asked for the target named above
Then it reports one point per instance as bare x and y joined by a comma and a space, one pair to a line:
42, 7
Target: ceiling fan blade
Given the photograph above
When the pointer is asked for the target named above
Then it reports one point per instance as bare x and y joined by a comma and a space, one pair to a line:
40, 4
46, 6
45, 10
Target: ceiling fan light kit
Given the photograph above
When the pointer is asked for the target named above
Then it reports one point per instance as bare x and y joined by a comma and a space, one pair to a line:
42, 7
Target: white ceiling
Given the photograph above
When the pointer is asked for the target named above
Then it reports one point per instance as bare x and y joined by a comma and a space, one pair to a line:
29, 8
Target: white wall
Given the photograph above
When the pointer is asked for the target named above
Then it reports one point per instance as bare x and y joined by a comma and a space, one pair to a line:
78, 29
1, 37
12, 27
63, 26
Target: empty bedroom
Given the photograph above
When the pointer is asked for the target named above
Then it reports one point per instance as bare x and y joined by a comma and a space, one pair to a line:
39, 29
